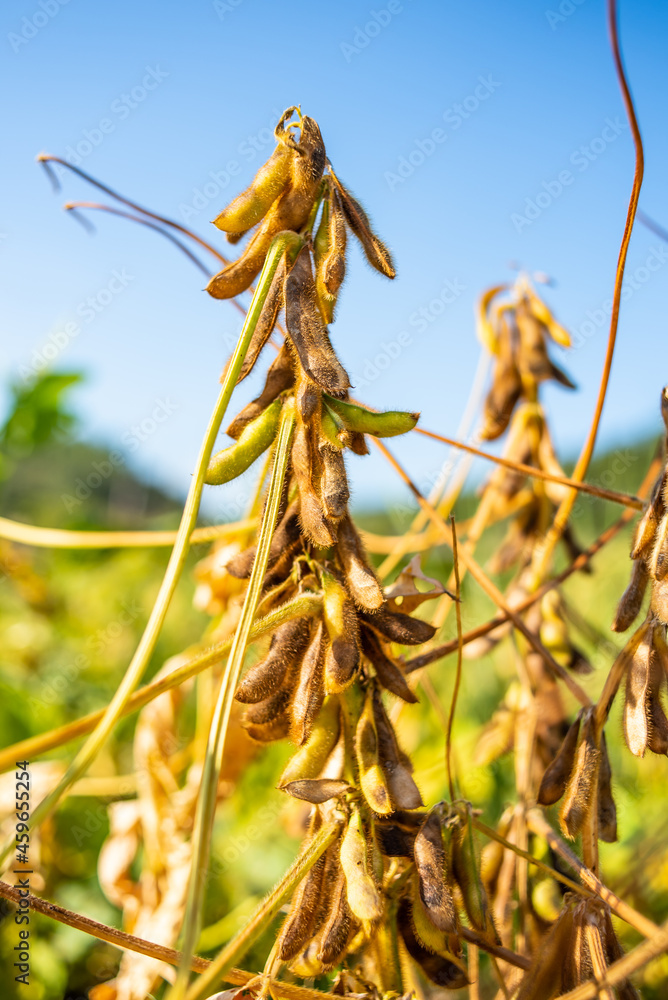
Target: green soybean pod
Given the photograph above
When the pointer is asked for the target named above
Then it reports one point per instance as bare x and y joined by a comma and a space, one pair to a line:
358, 418
253, 440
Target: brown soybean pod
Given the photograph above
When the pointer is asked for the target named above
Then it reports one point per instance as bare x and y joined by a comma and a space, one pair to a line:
310, 692
584, 777
555, 779
279, 378
388, 673
431, 866
361, 581
375, 250
398, 627
266, 677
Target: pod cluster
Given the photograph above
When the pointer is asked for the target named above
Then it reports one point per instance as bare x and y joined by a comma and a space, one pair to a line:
517, 332
577, 949
285, 194
644, 660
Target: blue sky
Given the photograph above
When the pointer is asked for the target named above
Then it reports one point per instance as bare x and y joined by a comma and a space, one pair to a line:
443, 118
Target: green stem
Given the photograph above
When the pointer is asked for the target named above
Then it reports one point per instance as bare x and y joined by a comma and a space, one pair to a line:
133, 674
265, 913
206, 803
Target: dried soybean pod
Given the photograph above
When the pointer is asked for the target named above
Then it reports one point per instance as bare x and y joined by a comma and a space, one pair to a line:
310, 692
432, 869
287, 532
555, 779
372, 777
396, 765
316, 790
334, 490
484, 328
358, 418
659, 600
261, 712
335, 932
657, 740
607, 811
279, 378
267, 320
543, 980
311, 514
299, 925
613, 953
544, 316
374, 249
362, 893
398, 627
441, 971
649, 522
532, 358
658, 562
329, 251
277, 729
466, 872
388, 673
583, 780
636, 728
266, 677
307, 331
289, 212
361, 581
343, 652
248, 208
632, 598
506, 385
358, 443
310, 759
253, 440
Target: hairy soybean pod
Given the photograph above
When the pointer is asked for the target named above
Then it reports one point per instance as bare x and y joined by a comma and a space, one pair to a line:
543, 980
631, 600
432, 869
607, 811
329, 250
310, 692
364, 421
398, 627
312, 516
267, 321
335, 932
316, 790
441, 971
555, 779
532, 358
427, 934
310, 759
360, 579
583, 780
277, 729
396, 765
658, 562
343, 651
372, 777
649, 522
362, 893
286, 533
266, 677
388, 673
466, 871
249, 207
279, 378
261, 712
636, 728
253, 440
376, 252
307, 331
299, 925
334, 490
